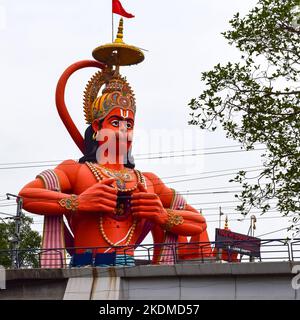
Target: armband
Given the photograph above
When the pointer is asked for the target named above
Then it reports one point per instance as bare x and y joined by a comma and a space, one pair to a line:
174, 219
69, 203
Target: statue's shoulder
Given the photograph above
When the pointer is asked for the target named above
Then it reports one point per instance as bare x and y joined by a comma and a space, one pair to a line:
69, 166
67, 171
155, 181
164, 192
150, 175
70, 161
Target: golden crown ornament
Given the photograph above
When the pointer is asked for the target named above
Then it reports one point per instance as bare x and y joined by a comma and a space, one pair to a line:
117, 91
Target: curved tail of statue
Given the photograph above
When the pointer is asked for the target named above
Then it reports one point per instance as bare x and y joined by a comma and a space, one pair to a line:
60, 99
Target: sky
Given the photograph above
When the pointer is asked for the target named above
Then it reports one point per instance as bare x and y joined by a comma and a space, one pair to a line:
40, 39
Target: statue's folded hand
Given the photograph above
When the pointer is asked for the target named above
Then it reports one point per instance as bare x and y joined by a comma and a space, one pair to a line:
101, 197
146, 205
149, 206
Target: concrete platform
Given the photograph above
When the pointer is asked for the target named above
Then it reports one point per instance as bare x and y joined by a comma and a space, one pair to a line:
230, 281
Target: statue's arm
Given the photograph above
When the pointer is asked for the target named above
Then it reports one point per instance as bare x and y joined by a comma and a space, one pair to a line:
37, 199
154, 206
100, 197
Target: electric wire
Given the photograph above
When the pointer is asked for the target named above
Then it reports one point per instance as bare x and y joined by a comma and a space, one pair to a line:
9, 167
140, 154
286, 228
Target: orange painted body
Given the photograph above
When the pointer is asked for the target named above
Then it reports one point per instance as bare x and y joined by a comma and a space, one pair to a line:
98, 199
76, 178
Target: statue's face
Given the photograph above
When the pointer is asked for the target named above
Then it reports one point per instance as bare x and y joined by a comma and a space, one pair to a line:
116, 130
119, 120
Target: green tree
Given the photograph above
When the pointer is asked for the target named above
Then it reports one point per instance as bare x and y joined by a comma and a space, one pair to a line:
256, 100
28, 239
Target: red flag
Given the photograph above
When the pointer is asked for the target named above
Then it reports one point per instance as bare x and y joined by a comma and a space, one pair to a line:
118, 9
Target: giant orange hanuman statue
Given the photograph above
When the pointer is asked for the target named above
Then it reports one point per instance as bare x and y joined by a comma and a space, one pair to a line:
107, 203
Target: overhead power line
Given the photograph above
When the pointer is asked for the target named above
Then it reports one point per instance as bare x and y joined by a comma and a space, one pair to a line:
205, 189
208, 172
213, 221
187, 193
194, 149
7, 214
198, 154
265, 234
248, 219
215, 208
192, 194
206, 215
208, 177
139, 154
7, 166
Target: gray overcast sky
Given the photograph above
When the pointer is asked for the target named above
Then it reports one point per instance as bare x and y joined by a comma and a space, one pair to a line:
40, 39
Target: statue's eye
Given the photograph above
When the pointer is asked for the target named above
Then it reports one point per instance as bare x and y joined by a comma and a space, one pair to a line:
129, 125
115, 123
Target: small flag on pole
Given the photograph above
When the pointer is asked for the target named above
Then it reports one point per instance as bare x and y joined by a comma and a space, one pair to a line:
117, 8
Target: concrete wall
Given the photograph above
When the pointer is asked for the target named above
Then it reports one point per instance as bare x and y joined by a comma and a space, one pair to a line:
268, 280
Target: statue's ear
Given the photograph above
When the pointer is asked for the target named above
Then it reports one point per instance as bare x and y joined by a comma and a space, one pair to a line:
95, 125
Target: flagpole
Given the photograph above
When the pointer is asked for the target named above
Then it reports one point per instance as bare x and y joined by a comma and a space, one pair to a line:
112, 22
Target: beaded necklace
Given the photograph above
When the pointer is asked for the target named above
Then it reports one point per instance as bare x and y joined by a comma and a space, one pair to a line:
129, 234
121, 176
98, 175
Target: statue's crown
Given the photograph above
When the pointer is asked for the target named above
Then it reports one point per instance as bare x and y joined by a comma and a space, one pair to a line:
116, 94
117, 91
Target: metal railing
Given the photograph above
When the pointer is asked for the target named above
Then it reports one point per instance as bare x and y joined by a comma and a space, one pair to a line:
162, 253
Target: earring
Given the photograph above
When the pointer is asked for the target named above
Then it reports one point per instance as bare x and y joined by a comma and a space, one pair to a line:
94, 135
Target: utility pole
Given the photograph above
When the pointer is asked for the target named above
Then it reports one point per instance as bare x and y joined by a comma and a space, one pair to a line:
252, 229
220, 216
253, 225
218, 254
15, 261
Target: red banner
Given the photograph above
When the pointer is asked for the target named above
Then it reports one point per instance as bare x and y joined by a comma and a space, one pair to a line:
118, 9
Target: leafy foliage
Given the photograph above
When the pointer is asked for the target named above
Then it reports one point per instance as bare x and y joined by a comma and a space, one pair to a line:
28, 239
256, 100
